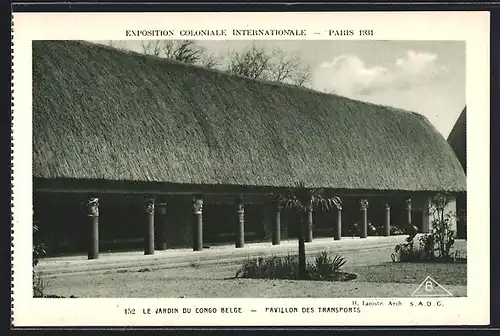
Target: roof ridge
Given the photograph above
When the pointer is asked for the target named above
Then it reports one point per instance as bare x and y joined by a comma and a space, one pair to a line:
258, 80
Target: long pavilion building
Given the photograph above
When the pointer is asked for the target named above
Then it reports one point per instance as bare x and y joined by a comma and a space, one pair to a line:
135, 151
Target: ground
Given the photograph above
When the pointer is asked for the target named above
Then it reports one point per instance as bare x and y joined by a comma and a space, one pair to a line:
377, 277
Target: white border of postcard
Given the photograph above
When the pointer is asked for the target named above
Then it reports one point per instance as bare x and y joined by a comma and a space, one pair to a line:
471, 27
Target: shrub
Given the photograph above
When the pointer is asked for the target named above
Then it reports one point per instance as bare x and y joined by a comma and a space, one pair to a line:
372, 230
325, 267
443, 237
429, 249
349, 229
38, 285
272, 267
441, 226
396, 231
286, 267
408, 252
427, 244
354, 230
38, 252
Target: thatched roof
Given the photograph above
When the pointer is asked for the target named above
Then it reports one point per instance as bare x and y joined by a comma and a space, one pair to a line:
101, 113
457, 138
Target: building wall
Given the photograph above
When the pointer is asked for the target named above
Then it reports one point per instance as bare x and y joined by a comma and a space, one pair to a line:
429, 216
324, 222
462, 216
178, 229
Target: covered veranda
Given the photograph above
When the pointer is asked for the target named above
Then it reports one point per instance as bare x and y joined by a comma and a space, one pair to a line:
116, 217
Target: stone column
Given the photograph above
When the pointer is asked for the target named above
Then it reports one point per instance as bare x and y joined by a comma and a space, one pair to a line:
93, 215
408, 211
387, 226
149, 239
338, 228
277, 224
412, 231
162, 240
197, 223
426, 220
239, 240
364, 217
267, 222
309, 231
427, 215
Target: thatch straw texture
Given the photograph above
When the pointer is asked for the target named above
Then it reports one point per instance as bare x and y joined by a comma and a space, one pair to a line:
100, 113
457, 138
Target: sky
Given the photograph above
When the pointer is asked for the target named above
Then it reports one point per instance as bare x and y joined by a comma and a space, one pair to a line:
427, 77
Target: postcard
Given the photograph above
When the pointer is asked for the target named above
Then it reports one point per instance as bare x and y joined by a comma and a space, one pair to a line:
250, 169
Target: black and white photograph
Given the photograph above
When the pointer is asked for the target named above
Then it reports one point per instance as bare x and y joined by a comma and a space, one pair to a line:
236, 160
261, 168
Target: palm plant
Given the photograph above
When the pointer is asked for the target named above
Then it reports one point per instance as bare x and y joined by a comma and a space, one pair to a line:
301, 199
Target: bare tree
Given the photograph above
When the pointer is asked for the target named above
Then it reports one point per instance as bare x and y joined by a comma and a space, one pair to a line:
254, 63
289, 68
116, 44
283, 66
331, 91
185, 51
152, 47
210, 61
277, 66
303, 76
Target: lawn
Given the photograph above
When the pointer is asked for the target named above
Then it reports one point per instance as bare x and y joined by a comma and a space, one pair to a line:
410, 273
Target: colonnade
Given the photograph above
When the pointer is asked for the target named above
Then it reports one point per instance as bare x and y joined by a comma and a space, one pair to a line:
239, 217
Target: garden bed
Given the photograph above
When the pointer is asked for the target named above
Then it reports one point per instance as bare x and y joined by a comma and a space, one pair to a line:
323, 268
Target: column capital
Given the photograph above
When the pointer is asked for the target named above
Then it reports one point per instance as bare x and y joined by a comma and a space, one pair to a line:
240, 208
149, 205
93, 207
387, 206
364, 204
278, 204
197, 205
408, 203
